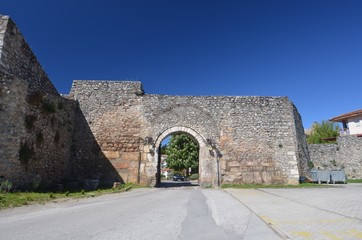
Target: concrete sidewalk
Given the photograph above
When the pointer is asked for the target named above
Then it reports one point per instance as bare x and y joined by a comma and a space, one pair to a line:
322, 213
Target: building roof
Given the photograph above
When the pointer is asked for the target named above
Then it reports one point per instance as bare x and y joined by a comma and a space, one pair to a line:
346, 116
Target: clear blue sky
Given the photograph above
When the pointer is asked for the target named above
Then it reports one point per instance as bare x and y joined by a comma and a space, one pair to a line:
310, 50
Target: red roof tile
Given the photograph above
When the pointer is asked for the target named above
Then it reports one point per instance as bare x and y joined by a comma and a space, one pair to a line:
346, 116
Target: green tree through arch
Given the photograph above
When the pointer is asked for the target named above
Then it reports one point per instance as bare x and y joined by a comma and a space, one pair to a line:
182, 153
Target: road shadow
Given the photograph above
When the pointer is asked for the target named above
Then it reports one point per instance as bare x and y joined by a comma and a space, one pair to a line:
173, 184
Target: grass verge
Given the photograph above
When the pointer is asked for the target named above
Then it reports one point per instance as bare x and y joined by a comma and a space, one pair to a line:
16, 199
253, 186
354, 180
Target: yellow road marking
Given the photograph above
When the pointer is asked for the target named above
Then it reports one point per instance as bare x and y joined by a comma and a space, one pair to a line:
304, 234
331, 235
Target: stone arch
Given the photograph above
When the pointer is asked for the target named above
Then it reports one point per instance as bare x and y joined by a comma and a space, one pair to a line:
208, 166
197, 136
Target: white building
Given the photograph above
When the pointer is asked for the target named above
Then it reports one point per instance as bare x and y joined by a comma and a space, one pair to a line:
351, 122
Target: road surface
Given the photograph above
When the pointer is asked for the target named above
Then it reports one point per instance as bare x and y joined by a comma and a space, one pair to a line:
163, 213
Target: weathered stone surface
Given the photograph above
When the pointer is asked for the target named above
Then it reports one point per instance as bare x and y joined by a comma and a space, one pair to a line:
131, 156
121, 165
36, 122
111, 154
345, 153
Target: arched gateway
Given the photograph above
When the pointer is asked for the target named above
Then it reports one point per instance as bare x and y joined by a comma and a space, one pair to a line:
209, 172
242, 139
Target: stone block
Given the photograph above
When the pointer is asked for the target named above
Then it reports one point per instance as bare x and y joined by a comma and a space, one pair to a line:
248, 177
267, 178
142, 167
130, 156
124, 176
257, 178
224, 140
233, 164
234, 169
277, 180
223, 164
133, 177
146, 149
291, 153
111, 154
267, 164
293, 181
121, 165
294, 172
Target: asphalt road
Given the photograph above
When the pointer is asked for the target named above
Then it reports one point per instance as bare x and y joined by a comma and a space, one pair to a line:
185, 212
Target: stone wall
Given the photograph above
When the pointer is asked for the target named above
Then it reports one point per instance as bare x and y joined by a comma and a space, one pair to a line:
257, 138
109, 116
18, 59
302, 154
111, 130
345, 153
36, 122
254, 135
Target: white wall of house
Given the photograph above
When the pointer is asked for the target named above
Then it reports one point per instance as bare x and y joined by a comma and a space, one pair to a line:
355, 125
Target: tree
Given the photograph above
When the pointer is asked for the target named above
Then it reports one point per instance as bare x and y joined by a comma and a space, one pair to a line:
326, 129
182, 153
163, 149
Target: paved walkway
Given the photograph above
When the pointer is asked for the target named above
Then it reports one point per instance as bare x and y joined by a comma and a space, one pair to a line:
323, 213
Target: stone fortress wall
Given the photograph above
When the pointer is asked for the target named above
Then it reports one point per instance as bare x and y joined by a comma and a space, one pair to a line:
344, 154
256, 138
36, 122
111, 130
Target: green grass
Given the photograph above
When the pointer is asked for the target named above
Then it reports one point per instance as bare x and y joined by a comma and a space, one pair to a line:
16, 199
254, 186
354, 180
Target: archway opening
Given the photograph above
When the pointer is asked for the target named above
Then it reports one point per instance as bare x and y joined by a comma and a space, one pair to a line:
178, 160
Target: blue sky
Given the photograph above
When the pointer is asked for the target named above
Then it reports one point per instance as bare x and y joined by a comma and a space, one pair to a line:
310, 50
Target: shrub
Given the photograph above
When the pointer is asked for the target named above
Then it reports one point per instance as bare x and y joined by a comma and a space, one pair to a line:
35, 98
25, 153
5, 186
29, 121
60, 105
194, 176
322, 131
310, 164
35, 185
48, 107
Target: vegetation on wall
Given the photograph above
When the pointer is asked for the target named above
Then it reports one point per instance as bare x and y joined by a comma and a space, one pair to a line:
48, 107
5, 186
57, 136
310, 164
60, 106
25, 153
39, 138
29, 121
35, 98
322, 131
